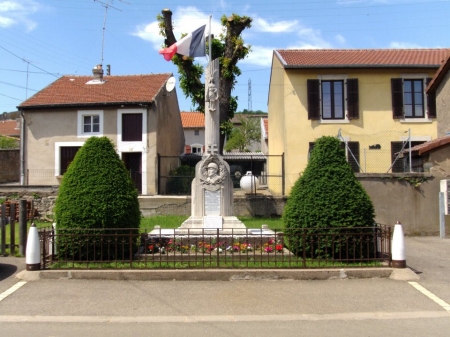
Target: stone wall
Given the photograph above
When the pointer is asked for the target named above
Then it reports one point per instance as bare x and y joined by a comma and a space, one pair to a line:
412, 199
9, 165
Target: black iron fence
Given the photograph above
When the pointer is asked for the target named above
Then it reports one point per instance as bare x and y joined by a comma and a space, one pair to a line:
175, 174
215, 248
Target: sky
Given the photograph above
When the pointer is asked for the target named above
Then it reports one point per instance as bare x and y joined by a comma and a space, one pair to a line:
41, 40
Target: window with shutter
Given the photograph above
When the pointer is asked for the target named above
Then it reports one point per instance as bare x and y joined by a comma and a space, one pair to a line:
313, 99
409, 102
352, 98
397, 97
131, 127
67, 154
333, 98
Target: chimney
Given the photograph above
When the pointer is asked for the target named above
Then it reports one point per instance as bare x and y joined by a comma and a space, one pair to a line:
98, 72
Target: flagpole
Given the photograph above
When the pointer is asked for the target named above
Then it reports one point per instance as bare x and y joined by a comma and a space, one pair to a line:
210, 40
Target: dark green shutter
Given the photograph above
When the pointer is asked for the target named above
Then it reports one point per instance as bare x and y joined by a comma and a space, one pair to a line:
397, 97
353, 160
313, 99
352, 98
398, 166
431, 102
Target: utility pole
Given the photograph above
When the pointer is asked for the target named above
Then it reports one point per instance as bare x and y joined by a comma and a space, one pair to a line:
249, 95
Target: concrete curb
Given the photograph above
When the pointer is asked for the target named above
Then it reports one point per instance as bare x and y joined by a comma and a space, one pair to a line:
220, 274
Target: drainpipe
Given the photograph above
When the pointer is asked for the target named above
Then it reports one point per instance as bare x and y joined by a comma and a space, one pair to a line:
22, 148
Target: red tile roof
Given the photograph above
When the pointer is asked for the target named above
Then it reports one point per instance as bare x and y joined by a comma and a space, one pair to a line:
430, 145
193, 120
73, 90
9, 128
439, 76
324, 58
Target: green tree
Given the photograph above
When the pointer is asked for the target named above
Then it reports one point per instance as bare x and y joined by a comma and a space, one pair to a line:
327, 195
96, 192
229, 48
244, 135
8, 142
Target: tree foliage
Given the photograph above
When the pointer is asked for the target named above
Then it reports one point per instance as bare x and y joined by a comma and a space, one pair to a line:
229, 48
327, 195
8, 142
96, 192
244, 135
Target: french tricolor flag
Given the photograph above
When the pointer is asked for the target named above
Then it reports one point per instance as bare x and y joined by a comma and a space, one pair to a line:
192, 45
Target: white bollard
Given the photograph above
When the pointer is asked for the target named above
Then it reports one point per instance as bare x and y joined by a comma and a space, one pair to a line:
398, 247
33, 251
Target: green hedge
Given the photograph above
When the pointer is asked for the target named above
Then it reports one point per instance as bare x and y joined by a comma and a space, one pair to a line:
96, 192
327, 199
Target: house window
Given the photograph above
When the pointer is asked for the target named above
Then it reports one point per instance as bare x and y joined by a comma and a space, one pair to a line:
132, 127
333, 99
197, 132
64, 154
196, 149
90, 123
413, 96
409, 100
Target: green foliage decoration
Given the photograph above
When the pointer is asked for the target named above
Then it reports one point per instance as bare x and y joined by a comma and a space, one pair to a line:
325, 202
180, 180
95, 196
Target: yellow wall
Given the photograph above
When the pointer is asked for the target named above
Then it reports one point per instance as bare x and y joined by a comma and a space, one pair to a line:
290, 131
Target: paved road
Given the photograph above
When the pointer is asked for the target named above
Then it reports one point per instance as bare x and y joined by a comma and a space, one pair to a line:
340, 307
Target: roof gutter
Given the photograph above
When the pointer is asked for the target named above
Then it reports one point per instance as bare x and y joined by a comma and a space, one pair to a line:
22, 148
83, 105
359, 66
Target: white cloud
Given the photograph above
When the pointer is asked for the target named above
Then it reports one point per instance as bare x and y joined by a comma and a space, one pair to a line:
403, 45
262, 25
309, 38
17, 12
340, 39
259, 55
185, 20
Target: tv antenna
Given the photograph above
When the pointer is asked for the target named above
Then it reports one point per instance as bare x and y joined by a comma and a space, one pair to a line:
107, 5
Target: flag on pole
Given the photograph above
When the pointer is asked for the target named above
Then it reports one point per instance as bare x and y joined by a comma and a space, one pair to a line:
192, 45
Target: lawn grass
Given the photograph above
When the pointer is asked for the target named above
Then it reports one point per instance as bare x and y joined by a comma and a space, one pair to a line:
294, 263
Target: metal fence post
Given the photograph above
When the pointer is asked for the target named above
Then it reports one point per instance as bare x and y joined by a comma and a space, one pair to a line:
3, 236
12, 233
22, 226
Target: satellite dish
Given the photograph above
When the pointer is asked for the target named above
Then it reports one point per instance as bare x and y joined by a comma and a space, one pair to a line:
170, 84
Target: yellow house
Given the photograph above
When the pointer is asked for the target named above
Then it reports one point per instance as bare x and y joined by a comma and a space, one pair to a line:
373, 100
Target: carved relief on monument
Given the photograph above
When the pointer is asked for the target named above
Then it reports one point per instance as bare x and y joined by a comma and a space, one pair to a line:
212, 173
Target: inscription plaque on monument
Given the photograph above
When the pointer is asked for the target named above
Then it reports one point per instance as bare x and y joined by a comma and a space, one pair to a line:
212, 202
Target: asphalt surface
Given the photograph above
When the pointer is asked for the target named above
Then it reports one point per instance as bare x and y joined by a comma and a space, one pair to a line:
378, 306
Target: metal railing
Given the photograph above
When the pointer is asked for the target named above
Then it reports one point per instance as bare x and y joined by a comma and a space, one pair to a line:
215, 248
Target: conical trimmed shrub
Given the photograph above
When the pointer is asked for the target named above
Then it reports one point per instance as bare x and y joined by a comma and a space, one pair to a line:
96, 192
325, 199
